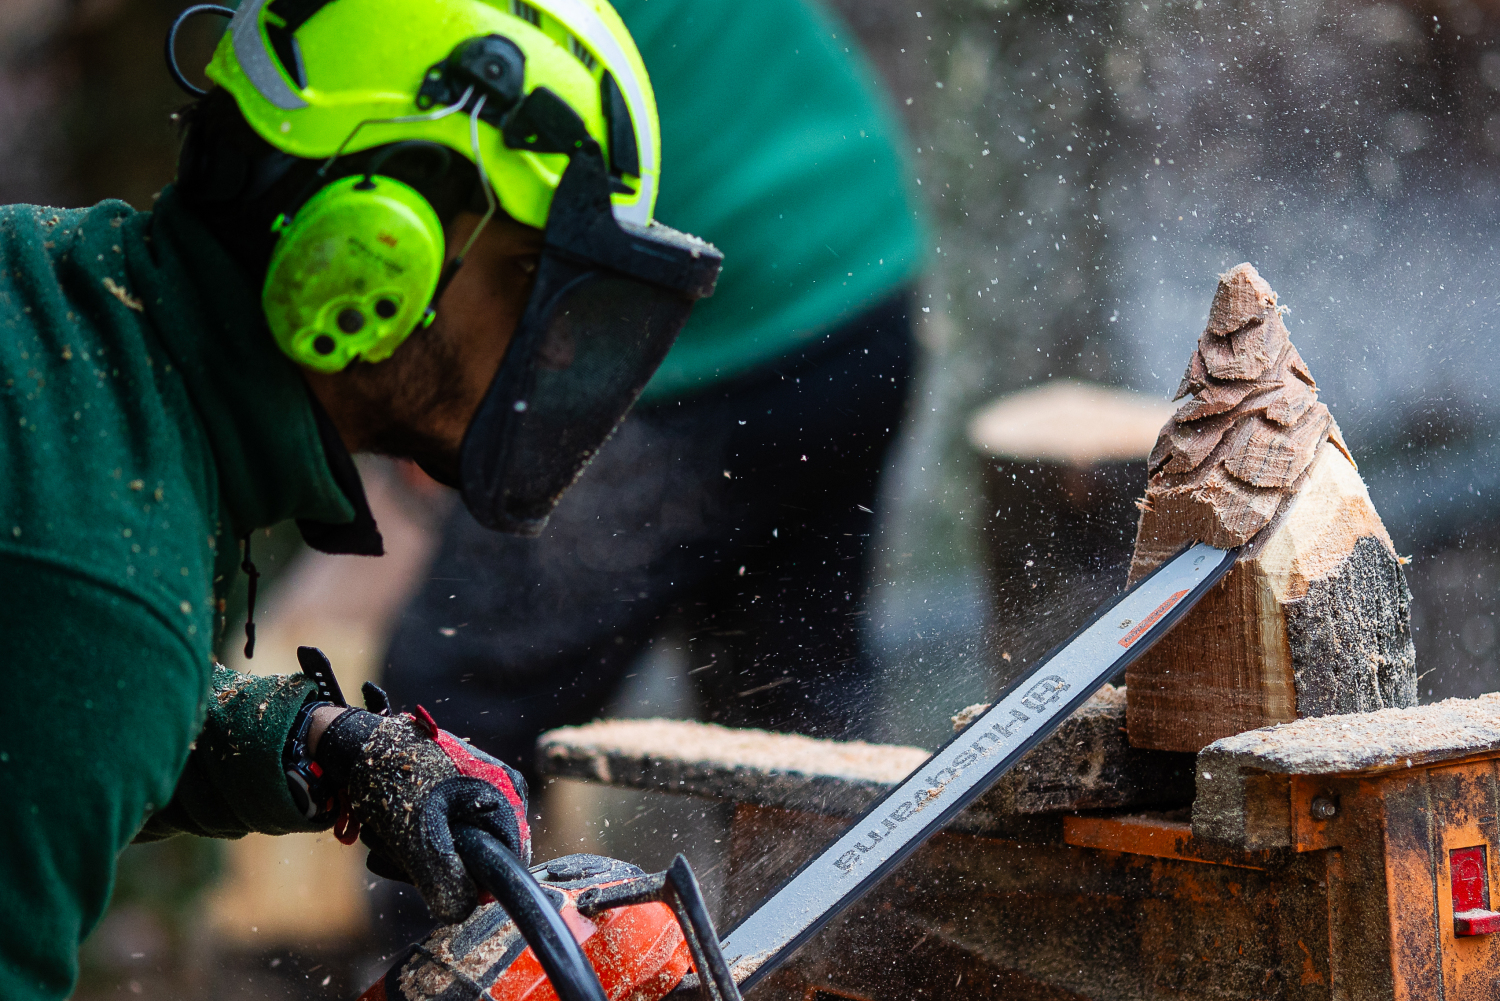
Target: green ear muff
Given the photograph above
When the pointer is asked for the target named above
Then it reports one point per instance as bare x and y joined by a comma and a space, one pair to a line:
353, 272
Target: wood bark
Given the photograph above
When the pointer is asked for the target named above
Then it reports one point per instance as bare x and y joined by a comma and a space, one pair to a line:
1315, 618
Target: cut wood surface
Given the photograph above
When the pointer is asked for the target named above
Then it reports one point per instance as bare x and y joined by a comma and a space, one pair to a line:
1069, 421
1315, 618
1085, 764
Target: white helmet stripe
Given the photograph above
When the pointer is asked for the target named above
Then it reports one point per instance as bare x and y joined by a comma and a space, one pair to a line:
255, 58
579, 18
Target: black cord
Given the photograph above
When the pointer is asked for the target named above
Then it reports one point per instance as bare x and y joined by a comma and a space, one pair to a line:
254, 575
377, 162
172, 67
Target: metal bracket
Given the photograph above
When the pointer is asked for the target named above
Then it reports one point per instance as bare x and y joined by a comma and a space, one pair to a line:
677, 888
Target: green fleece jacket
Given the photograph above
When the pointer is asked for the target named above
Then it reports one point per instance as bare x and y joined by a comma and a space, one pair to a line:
147, 423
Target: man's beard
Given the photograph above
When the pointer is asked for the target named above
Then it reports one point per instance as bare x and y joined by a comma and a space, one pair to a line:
437, 459
408, 390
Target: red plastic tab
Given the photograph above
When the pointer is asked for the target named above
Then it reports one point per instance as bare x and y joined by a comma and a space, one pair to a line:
1471, 892
1476, 923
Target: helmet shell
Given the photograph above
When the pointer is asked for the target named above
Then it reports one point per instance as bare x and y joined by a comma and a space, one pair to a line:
365, 60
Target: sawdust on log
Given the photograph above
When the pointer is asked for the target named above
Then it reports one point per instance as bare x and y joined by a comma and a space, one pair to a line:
1230, 455
731, 748
1110, 696
1387, 738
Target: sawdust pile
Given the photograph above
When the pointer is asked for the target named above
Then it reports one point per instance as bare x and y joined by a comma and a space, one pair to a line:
1230, 456
729, 749
1107, 699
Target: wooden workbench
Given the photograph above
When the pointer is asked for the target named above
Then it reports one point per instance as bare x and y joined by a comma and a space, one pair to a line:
1312, 860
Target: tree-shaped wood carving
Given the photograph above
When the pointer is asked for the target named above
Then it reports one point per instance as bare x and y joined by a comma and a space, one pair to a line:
1315, 618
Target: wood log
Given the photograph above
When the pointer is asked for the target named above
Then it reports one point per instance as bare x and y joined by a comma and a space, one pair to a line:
1315, 618
1085, 764
1060, 466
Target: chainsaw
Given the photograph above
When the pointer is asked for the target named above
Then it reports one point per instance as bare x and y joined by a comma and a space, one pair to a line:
589, 928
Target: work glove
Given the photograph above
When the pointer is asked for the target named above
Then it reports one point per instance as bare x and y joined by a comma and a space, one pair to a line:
402, 785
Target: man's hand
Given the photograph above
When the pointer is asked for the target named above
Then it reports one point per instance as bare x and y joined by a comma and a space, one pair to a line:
406, 783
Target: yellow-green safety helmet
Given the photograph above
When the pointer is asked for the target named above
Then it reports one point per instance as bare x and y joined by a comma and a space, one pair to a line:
550, 101
318, 77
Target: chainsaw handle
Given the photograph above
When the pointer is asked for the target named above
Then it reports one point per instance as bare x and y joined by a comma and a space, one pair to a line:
496, 869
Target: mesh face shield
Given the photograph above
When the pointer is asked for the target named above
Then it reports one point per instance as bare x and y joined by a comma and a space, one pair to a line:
608, 302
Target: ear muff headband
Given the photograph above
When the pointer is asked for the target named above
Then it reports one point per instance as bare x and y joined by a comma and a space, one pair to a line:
353, 272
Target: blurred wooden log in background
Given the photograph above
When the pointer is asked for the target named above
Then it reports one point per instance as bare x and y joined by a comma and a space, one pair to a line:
1060, 466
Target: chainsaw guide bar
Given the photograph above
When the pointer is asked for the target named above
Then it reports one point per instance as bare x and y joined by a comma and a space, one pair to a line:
964, 768
597, 929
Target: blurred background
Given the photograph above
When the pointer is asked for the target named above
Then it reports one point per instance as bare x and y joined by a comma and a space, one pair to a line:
1088, 167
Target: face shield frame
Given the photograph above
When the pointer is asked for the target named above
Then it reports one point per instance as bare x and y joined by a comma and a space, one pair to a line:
608, 301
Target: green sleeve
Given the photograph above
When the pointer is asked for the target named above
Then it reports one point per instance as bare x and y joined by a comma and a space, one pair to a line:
234, 782
105, 690
103, 696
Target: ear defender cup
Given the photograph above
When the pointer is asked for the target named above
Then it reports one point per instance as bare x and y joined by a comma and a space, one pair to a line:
353, 272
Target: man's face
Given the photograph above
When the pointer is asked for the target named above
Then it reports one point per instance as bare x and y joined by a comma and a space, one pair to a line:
418, 403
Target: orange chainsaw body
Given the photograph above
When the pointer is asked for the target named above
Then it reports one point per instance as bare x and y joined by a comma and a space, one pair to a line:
638, 951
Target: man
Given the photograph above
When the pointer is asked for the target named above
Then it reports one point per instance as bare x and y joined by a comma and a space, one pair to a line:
406, 226
735, 502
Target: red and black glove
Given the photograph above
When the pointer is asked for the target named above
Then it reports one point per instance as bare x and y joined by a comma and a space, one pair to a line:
402, 784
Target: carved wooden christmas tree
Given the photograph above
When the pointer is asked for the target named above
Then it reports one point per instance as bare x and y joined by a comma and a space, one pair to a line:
1315, 618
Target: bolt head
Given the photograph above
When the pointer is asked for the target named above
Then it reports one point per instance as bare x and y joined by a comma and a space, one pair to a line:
1323, 808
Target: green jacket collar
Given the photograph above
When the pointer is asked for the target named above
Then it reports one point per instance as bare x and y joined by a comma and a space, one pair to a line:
278, 454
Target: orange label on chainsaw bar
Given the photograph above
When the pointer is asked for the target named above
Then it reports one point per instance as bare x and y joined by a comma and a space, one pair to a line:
1152, 619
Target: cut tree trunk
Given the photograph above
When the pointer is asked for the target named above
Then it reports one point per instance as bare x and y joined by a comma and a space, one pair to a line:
1315, 618
1061, 465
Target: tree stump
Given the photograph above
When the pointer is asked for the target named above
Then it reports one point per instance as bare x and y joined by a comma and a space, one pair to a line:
1315, 618
1061, 465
